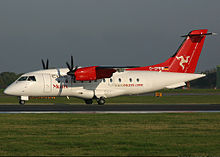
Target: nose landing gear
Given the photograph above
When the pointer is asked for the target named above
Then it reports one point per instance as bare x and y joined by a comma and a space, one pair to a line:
22, 102
22, 99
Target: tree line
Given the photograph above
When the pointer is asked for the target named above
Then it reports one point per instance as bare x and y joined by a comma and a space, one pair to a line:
209, 81
6, 78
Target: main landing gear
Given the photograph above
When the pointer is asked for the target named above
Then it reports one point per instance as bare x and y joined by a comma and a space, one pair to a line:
88, 101
100, 101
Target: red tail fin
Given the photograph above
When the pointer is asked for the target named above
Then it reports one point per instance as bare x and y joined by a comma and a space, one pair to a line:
186, 57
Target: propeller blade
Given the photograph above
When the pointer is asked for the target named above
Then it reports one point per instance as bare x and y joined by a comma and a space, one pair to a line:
72, 69
44, 67
47, 64
76, 67
68, 66
71, 62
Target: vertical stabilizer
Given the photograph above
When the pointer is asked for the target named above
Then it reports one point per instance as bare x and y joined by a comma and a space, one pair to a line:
186, 57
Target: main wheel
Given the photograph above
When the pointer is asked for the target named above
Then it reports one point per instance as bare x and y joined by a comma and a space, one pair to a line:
22, 102
88, 101
101, 101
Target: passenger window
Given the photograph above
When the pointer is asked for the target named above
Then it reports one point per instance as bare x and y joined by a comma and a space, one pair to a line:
119, 80
103, 80
24, 78
110, 80
66, 81
130, 79
138, 80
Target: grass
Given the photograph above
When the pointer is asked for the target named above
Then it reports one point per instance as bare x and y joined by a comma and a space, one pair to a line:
185, 134
177, 99
179, 90
213, 98
188, 99
58, 100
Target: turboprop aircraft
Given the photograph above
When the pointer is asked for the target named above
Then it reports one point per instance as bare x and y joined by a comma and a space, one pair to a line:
101, 82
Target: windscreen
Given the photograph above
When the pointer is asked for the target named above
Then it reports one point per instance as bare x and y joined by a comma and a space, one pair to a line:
23, 78
31, 78
27, 78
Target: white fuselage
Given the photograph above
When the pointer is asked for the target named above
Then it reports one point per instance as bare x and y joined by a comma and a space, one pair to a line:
55, 82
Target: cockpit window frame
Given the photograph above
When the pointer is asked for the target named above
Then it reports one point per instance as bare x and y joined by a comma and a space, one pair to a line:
23, 78
27, 78
31, 78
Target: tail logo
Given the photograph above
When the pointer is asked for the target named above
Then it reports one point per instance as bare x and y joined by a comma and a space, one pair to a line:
183, 60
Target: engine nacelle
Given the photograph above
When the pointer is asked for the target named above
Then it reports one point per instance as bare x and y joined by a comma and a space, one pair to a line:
93, 73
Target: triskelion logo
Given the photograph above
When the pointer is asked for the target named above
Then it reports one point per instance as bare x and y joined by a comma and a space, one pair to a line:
183, 60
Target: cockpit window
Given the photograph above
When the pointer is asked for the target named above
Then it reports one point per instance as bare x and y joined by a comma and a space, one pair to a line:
31, 78
24, 78
27, 78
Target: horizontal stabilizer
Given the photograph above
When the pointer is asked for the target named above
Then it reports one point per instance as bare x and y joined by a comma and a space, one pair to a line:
191, 35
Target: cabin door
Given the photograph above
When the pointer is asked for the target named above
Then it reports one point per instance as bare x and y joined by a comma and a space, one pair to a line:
47, 83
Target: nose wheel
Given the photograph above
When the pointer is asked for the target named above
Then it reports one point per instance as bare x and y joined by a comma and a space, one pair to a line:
23, 99
101, 101
22, 102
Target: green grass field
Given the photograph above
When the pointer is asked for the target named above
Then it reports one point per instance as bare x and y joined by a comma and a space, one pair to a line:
213, 98
177, 99
182, 134
179, 90
168, 134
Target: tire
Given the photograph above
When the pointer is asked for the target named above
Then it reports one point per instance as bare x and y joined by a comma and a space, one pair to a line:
88, 101
22, 102
101, 101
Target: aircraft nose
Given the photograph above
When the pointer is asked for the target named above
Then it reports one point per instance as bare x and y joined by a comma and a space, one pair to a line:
8, 91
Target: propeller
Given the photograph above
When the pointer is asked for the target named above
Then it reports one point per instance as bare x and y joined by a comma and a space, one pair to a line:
72, 69
45, 66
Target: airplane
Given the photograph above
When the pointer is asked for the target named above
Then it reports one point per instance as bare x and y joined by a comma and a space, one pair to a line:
101, 82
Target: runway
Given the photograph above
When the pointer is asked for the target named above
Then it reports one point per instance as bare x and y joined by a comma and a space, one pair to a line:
110, 108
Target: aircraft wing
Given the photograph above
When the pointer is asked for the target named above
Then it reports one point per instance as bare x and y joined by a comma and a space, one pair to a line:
98, 72
117, 68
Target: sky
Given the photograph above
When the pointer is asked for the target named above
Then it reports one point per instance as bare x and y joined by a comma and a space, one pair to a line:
103, 32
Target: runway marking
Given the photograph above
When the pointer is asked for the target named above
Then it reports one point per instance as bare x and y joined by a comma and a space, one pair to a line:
107, 112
